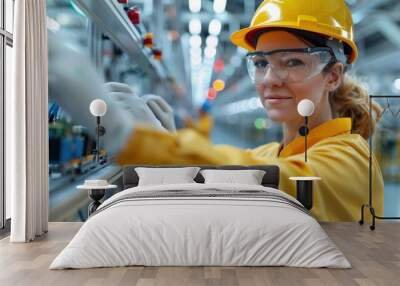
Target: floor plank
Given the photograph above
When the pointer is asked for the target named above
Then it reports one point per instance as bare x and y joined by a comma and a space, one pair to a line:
374, 255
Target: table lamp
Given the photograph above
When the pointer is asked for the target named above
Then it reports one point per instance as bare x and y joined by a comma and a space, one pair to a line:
98, 108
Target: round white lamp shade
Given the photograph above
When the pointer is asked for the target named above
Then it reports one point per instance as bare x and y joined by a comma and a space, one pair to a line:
305, 107
98, 107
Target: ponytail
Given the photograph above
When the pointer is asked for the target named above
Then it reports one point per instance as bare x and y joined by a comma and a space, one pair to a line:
351, 99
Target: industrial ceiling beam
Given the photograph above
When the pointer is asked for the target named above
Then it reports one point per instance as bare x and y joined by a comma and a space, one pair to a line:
377, 62
390, 29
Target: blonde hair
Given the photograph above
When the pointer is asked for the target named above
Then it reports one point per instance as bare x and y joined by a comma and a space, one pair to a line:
351, 99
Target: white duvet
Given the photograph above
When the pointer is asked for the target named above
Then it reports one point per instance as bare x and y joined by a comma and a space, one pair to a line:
200, 231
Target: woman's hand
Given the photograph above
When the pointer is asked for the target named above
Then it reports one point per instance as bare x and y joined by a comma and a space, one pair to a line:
162, 110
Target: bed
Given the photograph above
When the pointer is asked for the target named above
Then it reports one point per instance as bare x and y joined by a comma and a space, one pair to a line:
201, 224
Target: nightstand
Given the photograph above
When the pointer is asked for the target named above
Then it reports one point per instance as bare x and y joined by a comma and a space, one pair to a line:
304, 188
96, 191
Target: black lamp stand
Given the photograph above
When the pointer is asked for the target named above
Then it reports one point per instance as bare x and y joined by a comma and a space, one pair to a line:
303, 132
100, 131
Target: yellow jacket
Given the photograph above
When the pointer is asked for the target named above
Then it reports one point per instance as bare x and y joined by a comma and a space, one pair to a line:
203, 126
334, 154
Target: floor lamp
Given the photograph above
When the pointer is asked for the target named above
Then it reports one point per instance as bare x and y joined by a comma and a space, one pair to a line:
370, 205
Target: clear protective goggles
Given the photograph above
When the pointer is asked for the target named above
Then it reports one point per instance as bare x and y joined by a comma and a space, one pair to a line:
289, 65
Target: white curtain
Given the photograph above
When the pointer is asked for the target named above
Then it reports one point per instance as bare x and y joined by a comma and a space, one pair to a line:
26, 124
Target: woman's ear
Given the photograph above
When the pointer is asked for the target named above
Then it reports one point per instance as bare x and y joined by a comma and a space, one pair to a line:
335, 77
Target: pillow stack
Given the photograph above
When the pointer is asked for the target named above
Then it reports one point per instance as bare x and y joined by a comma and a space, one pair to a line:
184, 175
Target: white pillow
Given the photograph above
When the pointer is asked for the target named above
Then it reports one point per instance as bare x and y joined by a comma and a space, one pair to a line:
163, 176
248, 177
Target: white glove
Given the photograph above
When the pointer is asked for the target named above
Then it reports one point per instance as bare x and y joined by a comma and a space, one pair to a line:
162, 110
124, 96
74, 83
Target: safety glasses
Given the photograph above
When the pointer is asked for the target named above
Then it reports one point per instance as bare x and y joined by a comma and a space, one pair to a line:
289, 65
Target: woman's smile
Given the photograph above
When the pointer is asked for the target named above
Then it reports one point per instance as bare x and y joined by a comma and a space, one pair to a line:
276, 99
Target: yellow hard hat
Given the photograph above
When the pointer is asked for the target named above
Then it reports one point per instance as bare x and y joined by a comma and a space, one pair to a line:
331, 18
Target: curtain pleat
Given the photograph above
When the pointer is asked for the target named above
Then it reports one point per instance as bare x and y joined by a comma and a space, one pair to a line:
15, 144
29, 158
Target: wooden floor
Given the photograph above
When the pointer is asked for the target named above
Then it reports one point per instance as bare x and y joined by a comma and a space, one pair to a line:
375, 257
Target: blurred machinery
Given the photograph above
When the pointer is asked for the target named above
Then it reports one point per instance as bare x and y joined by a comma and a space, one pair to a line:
70, 146
180, 49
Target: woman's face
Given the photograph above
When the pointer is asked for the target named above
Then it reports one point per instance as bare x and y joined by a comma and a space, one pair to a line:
284, 110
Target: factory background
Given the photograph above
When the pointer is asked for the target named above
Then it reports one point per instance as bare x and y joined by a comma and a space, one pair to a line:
180, 50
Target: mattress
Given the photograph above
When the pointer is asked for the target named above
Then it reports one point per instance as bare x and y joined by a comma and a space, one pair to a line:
201, 225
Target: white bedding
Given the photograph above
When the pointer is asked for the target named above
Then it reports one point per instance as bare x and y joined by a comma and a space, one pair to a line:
227, 231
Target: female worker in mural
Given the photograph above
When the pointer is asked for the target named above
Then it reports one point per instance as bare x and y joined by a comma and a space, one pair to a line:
296, 51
